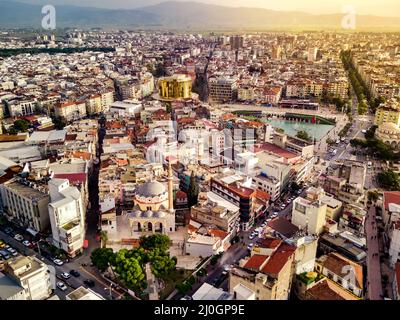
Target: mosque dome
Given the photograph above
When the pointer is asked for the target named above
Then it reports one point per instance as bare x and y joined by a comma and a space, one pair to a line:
151, 190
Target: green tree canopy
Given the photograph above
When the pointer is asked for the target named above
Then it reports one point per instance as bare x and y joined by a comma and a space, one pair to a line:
389, 180
156, 241
129, 270
21, 125
162, 265
101, 257
303, 135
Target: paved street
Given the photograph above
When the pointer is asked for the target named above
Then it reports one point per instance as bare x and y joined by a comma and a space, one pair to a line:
374, 284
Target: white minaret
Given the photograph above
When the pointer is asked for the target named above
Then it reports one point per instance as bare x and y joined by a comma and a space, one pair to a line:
170, 188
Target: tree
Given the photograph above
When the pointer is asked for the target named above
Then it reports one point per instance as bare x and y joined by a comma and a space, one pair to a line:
129, 270
102, 257
362, 107
330, 142
21, 125
155, 241
389, 180
193, 191
162, 265
104, 238
303, 135
12, 130
168, 107
295, 186
373, 196
59, 123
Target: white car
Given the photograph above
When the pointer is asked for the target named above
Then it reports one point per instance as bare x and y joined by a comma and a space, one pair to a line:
250, 246
251, 237
26, 243
58, 262
18, 237
364, 131
61, 286
65, 275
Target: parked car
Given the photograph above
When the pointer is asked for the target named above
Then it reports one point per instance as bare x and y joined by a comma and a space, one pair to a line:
251, 237
89, 283
5, 254
8, 230
18, 237
12, 251
61, 285
75, 273
214, 281
26, 243
65, 275
58, 262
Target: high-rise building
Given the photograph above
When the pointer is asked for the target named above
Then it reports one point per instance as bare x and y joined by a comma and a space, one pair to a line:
312, 54
222, 90
236, 42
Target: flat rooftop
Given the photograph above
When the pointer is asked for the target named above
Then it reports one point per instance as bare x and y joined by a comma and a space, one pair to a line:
26, 191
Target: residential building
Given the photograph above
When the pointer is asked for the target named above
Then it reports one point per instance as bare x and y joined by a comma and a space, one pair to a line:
310, 214
25, 203
343, 271
222, 90
67, 216
32, 275
266, 275
70, 110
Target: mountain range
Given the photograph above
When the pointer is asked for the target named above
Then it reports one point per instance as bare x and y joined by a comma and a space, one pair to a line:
184, 16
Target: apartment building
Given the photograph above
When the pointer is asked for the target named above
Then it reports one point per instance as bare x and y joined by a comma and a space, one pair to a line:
70, 110
309, 213
222, 90
94, 104
31, 275
25, 203
265, 275
231, 189
67, 216
213, 214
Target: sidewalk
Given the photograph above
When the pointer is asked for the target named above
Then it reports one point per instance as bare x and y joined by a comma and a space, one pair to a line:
374, 276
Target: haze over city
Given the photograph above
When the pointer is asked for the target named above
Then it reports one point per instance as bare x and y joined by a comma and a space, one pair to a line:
370, 7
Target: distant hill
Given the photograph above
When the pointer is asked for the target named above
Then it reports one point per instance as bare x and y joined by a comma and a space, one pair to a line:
184, 15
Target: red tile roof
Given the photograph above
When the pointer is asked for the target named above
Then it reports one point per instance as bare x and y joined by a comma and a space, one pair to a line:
218, 233
73, 178
391, 197
256, 262
270, 243
279, 259
262, 195
269, 147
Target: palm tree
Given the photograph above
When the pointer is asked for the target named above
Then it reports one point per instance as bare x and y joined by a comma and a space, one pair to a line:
104, 238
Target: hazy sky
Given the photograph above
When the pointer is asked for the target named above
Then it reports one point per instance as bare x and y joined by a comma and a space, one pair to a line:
375, 7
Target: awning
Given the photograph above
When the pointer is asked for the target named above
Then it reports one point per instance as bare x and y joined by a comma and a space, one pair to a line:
86, 244
32, 232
